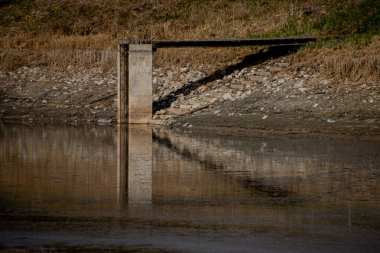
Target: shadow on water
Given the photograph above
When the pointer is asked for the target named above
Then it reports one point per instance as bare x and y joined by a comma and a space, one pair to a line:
186, 153
250, 60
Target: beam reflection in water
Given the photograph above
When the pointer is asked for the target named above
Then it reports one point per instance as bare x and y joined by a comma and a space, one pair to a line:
266, 181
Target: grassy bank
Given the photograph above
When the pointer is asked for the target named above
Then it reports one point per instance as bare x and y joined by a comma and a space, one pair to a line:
68, 32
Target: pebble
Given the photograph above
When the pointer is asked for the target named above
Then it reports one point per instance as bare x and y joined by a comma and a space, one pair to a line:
104, 121
184, 70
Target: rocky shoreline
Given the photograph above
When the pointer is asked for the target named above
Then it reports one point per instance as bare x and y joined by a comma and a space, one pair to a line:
273, 95
52, 95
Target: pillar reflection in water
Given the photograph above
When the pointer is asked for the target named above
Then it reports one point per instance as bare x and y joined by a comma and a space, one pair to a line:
135, 164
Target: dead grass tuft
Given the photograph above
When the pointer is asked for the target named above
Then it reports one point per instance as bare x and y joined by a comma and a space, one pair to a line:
351, 63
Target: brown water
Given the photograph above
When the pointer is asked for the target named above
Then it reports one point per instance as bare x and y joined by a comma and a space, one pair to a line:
155, 190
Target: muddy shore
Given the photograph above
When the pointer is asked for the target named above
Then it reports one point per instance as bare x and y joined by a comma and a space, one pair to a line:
270, 97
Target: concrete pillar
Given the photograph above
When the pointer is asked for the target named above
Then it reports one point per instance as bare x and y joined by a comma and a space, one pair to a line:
140, 163
122, 72
139, 89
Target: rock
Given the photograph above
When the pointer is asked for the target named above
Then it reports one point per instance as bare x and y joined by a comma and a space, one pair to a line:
237, 86
275, 69
283, 64
213, 100
44, 101
104, 121
302, 89
227, 96
263, 73
185, 106
177, 111
265, 117
184, 70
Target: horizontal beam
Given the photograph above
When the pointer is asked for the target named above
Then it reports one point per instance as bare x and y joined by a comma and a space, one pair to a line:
231, 43
222, 43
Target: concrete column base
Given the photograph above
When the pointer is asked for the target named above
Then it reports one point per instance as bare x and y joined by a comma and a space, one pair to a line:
140, 83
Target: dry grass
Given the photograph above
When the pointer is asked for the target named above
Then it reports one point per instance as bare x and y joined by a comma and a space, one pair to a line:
217, 19
344, 63
57, 51
46, 43
85, 33
201, 58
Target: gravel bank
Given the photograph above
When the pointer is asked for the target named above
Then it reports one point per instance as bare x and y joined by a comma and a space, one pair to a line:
269, 96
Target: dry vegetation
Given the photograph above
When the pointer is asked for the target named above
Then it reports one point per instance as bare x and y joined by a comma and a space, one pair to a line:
344, 63
68, 32
86, 32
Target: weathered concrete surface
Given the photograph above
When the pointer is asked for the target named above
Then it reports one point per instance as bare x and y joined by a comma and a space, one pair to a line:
140, 84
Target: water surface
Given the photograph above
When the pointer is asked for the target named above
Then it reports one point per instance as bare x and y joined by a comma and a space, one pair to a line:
142, 189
